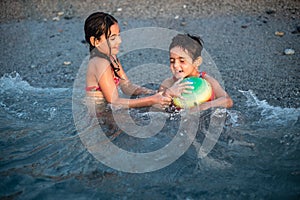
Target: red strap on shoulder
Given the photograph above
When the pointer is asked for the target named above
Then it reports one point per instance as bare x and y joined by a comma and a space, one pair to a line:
202, 74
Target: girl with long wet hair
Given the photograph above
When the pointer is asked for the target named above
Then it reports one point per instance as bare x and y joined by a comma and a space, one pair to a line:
105, 72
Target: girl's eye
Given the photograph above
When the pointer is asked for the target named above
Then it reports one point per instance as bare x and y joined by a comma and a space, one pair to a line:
112, 38
182, 60
172, 60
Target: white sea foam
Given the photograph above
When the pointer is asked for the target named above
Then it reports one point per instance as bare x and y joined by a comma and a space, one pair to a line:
271, 114
15, 81
23, 101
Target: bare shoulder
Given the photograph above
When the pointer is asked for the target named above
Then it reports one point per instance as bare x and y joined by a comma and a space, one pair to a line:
98, 65
210, 79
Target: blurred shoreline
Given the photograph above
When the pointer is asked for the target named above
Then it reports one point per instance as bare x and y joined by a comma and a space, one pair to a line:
43, 9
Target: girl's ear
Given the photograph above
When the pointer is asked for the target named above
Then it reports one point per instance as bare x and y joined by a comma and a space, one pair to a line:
198, 61
92, 40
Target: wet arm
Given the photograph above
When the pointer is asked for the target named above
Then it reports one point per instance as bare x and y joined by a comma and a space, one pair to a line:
171, 88
129, 88
222, 99
111, 94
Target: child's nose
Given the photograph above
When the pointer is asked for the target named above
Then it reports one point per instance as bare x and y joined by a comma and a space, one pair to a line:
176, 64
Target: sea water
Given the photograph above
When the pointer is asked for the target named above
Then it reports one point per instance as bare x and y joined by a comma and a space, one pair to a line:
256, 156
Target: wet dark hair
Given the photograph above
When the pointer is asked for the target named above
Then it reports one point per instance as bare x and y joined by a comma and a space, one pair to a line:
193, 44
97, 24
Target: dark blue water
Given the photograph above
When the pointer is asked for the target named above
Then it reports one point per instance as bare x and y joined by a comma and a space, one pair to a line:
257, 155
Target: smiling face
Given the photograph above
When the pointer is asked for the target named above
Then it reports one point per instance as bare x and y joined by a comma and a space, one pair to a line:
113, 40
181, 63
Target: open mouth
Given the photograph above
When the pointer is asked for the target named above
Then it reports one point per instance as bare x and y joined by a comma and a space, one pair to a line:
179, 72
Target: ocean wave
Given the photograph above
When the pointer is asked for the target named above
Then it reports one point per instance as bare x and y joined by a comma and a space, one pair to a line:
21, 100
269, 114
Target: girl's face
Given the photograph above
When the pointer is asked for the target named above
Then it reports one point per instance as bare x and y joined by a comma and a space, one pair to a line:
114, 40
181, 64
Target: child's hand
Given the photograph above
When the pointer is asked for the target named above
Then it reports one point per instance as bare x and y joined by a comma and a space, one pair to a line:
161, 101
178, 88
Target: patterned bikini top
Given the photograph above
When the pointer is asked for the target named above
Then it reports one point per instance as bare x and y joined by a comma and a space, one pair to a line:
97, 88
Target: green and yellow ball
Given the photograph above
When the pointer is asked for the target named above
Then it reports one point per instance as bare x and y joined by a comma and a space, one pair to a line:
202, 92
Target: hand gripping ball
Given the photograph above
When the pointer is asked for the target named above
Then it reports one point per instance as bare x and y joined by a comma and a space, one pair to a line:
202, 92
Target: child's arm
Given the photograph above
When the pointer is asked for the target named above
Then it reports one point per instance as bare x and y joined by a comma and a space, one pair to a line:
111, 95
167, 83
129, 88
222, 99
171, 88
132, 89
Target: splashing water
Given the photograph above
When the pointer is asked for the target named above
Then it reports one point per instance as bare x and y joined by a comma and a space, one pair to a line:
42, 155
22, 101
271, 115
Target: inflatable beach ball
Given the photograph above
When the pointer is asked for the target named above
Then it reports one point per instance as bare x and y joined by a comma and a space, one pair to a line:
202, 92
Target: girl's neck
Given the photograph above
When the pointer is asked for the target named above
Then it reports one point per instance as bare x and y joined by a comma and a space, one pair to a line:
195, 73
